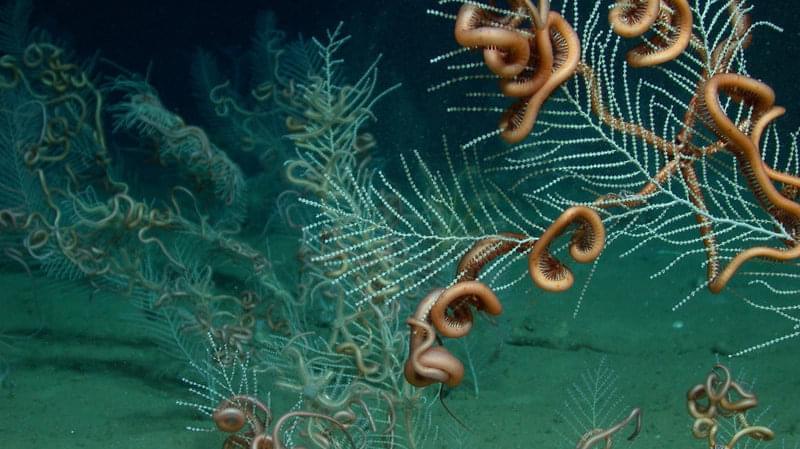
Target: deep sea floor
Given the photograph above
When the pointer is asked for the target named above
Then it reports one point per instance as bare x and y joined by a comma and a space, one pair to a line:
80, 377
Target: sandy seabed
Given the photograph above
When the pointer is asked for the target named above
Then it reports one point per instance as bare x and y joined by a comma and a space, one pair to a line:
81, 377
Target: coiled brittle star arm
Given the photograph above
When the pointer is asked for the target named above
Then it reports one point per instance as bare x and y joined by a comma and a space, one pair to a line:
428, 364
760, 98
594, 436
234, 414
712, 399
449, 311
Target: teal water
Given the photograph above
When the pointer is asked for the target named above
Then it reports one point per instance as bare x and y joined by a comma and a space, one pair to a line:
206, 211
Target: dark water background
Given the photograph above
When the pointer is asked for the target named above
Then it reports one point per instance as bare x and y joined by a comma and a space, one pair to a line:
630, 320
135, 34
165, 34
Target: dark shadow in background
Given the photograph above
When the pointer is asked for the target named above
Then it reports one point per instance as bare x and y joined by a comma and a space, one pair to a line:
134, 33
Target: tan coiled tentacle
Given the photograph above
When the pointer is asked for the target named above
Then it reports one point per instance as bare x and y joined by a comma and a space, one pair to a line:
586, 245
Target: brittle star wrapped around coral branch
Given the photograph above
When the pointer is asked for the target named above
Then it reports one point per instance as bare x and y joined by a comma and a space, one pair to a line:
448, 311
709, 401
237, 413
669, 30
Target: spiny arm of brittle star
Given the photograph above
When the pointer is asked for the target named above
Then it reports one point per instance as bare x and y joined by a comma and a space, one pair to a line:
755, 136
701, 215
634, 129
650, 188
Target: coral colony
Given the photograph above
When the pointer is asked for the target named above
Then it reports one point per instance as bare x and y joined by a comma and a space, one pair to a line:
605, 122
